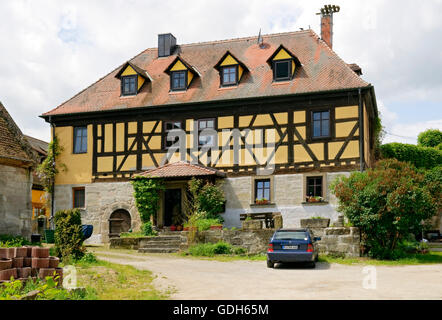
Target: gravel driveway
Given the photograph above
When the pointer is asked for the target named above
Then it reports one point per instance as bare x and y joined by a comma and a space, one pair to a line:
208, 279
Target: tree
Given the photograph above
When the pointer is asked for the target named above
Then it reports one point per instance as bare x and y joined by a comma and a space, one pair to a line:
385, 203
430, 138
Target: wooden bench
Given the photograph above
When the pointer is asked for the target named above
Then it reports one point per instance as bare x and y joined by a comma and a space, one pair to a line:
267, 217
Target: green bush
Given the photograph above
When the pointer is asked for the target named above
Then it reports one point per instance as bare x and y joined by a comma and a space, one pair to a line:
385, 203
68, 235
207, 198
212, 249
9, 241
433, 181
147, 229
421, 157
430, 138
205, 224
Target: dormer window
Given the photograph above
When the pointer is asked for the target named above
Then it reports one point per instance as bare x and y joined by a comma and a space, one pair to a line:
230, 69
229, 76
132, 79
283, 64
129, 85
181, 75
178, 80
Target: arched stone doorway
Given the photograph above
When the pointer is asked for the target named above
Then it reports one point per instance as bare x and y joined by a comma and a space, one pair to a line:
119, 221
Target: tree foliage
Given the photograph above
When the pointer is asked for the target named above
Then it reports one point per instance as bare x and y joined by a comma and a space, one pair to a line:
147, 196
421, 157
430, 138
48, 169
386, 203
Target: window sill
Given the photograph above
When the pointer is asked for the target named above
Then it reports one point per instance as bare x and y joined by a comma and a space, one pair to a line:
228, 87
280, 82
322, 203
271, 204
181, 91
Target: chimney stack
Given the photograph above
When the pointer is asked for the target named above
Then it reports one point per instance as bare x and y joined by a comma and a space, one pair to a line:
327, 23
166, 44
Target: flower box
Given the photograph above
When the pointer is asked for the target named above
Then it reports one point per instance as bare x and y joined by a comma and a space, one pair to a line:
262, 201
216, 227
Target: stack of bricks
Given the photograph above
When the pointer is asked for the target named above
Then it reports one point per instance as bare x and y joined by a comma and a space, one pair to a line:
26, 263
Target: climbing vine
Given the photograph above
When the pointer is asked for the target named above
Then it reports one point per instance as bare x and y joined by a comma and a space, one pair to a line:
147, 196
48, 169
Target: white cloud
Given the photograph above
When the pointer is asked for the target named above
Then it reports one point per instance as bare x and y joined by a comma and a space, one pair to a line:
407, 133
53, 49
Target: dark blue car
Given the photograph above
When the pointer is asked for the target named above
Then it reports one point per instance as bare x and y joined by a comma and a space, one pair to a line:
292, 245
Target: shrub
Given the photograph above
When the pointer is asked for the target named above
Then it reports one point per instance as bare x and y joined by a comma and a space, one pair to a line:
433, 181
68, 235
211, 249
385, 202
205, 224
207, 198
10, 241
421, 157
430, 138
147, 229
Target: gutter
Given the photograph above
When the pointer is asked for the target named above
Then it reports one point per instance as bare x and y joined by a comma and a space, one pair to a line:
361, 132
52, 222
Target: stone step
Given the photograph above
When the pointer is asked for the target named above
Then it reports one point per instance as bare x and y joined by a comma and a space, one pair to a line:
169, 233
435, 244
163, 238
435, 249
161, 244
158, 250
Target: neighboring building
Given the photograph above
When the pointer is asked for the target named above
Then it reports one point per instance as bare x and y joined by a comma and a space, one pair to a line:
17, 160
39, 200
308, 112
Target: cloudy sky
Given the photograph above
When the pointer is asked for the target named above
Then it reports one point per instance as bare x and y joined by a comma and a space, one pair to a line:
52, 49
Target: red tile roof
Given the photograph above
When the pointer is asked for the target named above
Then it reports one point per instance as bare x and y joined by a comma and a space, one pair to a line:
13, 145
180, 169
321, 70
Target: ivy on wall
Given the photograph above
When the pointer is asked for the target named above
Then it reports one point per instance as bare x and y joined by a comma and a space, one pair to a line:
147, 196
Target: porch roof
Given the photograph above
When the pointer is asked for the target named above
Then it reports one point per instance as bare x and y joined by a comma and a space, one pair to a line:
181, 169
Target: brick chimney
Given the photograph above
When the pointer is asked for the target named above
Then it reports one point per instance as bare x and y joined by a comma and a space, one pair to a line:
327, 29
327, 23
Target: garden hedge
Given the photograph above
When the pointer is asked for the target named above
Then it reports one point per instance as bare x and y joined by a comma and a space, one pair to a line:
421, 157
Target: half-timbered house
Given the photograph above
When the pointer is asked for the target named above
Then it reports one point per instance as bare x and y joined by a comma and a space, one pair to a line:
276, 118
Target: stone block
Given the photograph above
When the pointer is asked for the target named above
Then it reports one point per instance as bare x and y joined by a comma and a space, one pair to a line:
277, 220
315, 223
337, 231
252, 224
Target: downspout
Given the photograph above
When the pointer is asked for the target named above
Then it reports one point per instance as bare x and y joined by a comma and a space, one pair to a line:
53, 182
361, 132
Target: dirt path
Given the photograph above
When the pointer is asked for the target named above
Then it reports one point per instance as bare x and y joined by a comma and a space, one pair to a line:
206, 279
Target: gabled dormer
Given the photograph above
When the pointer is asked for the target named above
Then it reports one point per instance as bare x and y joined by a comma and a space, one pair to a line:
132, 79
230, 69
283, 64
181, 74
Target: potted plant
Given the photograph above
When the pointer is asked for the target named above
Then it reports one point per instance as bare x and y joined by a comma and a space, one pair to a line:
172, 228
179, 228
313, 199
217, 226
262, 201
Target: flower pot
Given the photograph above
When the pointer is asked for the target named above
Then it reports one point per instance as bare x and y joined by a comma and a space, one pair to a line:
27, 262
179, 228
5, 264
7, 253
21, 252
172, 228
7, 274
46, 272
53, 262
38, 252
28, 251
216, 227
38, 263
17, 262
24, 273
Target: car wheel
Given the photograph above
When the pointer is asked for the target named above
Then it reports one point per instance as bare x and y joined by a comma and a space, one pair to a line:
317, 258
313, 264
270, 264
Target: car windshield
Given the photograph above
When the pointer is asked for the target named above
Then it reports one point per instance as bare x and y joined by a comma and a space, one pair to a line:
290, 235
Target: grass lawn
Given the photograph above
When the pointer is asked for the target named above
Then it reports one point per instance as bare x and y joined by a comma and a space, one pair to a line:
413, 259
111, 281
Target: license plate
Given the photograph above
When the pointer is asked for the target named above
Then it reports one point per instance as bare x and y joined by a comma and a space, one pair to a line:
290, 247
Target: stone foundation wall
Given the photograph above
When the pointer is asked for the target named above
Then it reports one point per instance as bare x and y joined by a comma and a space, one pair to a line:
15, 201
288, 198
340, 241
102, 199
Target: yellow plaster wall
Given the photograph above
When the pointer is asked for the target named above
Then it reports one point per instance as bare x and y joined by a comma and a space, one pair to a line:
228, 61
333, 149
140, 81
108, 137
79, 166
352, 150
281, 117
301, 154
120, 137
225, 122
244, 121
346, 112
299, 116
178, 66
343, 129
282, 54
129, 71
240, 72
263, 120
367, 154
105, 164
189, 77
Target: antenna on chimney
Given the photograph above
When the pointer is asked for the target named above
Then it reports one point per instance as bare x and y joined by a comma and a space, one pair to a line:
260, 39
327, 22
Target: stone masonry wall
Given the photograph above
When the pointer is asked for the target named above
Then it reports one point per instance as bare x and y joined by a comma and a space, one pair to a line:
288, 198
15, 201
102, 199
